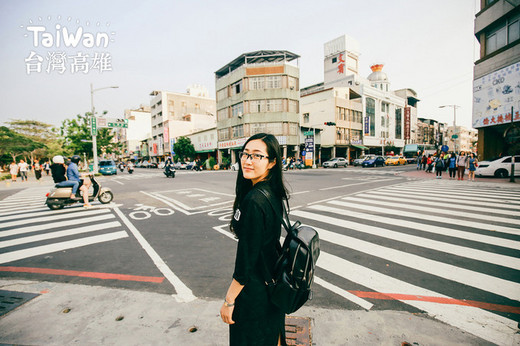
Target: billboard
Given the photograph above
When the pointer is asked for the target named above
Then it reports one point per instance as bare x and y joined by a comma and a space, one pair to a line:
493, 96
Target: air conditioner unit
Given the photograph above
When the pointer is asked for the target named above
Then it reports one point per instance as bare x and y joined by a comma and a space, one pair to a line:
240, 115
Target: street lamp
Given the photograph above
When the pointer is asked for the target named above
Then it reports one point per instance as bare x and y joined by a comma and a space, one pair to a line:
455, 136
94, 133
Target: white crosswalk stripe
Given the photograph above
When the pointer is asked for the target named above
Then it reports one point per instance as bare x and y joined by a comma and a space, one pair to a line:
446, 234
27, 230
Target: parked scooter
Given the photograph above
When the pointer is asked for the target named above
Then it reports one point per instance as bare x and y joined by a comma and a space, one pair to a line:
59, 196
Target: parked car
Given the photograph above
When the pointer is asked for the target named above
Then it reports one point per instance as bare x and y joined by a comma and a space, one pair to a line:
359, 161
107, 167
374, 162
395, 160
335, 162
180, 165
498, 167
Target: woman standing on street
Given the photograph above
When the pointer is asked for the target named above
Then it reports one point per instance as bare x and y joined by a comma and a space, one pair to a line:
462, 163
13, 169
452, 165
252, 318
472, 164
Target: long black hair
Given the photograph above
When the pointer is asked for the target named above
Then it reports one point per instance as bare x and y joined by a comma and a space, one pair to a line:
274, 177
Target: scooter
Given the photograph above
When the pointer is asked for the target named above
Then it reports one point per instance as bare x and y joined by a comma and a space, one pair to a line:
130, 169
169, 171
59, 196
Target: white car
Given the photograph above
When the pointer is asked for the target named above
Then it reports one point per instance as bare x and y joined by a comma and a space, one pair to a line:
234, 167
500, 167
335, 162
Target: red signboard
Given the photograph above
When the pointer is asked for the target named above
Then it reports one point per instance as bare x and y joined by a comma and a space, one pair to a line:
407, 123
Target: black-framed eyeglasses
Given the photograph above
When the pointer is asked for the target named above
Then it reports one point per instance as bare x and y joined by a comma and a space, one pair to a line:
254, 157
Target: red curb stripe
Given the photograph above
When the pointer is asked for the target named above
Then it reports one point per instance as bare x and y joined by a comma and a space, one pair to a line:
103, 276
439, 300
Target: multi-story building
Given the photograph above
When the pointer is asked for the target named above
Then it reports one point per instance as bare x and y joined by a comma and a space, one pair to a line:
139, 129
368, 115
258, 92
178, 114
466, 139
430, 131
496, 85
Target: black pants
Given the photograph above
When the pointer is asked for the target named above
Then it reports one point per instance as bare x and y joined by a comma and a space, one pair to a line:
438, 173
452, 172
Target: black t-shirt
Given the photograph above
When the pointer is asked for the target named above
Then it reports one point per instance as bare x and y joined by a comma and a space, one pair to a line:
58, 172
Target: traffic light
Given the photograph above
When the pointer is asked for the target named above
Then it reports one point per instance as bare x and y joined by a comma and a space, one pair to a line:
330, 123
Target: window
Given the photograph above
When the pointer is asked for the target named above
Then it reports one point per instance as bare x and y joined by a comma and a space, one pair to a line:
273, 105
305, 117
293, 83
236, 88
293, 129
398, 121
237, 110
334, 60
507, 32
238, 131
256, 106
257, 128
222, 94
257, 83
222, 114
293, 106
371, 112
274, 128
274, 82
223, 134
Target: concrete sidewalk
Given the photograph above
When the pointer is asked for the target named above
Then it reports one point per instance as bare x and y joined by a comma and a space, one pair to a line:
66, 314
421, 174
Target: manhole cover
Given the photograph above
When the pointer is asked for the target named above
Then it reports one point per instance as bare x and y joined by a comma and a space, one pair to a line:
10, 300
298, 331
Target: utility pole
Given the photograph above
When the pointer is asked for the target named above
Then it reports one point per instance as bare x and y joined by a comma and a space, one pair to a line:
455, 136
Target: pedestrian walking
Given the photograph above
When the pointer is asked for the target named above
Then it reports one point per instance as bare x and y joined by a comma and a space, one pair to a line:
23, 168
452, 165
419, 160
252, 318
439, 166
472, 166
429, 164
424, 161
47, 167
462, 164
37, 169
13, 169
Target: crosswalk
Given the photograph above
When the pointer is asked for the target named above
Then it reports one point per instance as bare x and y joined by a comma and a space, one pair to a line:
446, 248
28, 228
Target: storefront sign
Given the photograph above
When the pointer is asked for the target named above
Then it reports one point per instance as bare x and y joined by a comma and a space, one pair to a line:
367, 125
494, 95
235, 143
407, 126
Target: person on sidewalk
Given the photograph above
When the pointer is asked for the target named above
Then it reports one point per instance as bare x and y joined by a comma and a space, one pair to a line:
47, 167
23, 168
252, 318
37, 169
472, 166
424, 160
462, 164
419, 160
74, 175
452, 165
429, 164
13, 169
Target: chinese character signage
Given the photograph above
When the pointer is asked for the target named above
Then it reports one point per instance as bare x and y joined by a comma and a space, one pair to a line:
60, 45
407, 126
494, 95
367, 125
341, 64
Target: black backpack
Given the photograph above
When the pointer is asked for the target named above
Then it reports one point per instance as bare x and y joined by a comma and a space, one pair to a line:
289, 287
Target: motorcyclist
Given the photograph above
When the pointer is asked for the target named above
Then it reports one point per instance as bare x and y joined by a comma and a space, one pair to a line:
58, 171
130, 166
168, 166
74, 175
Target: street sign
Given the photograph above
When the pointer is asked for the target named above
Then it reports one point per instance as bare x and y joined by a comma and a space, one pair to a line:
303, 152
307, 133
93, 126
455, 136
112, 122
445, 148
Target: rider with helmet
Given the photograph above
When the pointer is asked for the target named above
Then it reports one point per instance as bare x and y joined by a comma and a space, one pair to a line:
58, 170
74, 175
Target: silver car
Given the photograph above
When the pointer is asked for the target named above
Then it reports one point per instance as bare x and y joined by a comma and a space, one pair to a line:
335, 162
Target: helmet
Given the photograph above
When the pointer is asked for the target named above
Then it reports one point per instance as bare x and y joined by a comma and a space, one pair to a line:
58, 159
76, 159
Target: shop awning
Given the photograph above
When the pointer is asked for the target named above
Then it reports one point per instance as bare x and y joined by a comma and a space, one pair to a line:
362, 147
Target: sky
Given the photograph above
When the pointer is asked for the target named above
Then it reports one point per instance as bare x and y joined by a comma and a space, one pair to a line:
426, 45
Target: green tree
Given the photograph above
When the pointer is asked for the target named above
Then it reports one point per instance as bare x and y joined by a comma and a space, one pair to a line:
79, 140
183, 148
39, 132
16, 144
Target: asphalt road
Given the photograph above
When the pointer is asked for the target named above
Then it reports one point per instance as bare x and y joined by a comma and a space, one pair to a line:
388, 242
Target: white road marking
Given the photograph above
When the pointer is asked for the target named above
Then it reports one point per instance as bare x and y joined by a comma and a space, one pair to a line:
71, 244
53, 217
184, 294
59, 234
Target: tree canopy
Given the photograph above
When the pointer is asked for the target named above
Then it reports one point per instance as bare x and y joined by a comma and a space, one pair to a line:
16, 144
183, 148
